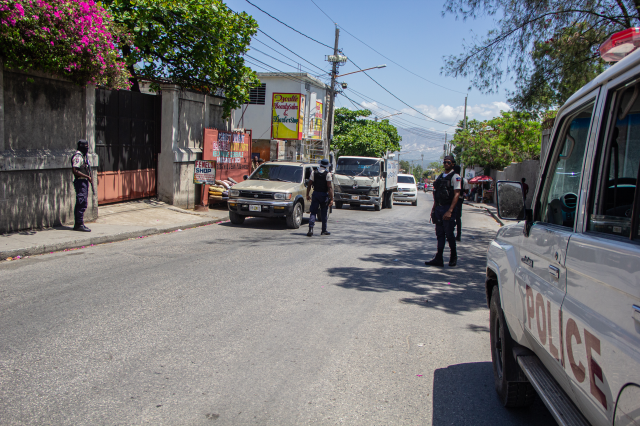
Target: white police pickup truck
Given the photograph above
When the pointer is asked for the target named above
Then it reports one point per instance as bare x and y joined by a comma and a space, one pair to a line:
563, 281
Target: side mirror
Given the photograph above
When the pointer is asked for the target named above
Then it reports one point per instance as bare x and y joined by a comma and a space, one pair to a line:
384, 175
510, 200
245, 177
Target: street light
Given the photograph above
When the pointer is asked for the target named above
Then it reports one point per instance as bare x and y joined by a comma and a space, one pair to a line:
366, 69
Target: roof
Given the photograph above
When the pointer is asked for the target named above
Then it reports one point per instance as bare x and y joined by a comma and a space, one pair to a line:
405, 174
306, 77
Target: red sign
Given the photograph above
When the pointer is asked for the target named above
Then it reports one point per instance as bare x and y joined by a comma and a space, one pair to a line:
230, 150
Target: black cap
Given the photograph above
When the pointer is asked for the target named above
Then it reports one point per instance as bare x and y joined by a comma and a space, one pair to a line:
83, 142
324, 162
450, 158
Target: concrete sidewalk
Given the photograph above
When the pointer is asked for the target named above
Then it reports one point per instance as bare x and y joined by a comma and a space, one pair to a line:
491, 208
116, 222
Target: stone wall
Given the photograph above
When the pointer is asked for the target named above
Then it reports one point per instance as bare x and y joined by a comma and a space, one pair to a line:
41, 119
185, 115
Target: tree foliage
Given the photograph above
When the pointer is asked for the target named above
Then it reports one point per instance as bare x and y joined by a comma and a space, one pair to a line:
548, 47
354, 135
74, 39
495, 143
197, 44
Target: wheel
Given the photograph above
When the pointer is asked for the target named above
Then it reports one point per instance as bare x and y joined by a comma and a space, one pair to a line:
235, 218
294, 219
354, 206
338, 205
378, 207
390, 200
511, 385
414, 203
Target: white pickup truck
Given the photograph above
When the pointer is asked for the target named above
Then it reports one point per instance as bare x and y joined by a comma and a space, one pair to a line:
563, 280
365, 181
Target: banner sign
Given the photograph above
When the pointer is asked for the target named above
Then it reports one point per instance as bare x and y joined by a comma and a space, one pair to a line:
204, 172
315, 125
287, 116
231, 152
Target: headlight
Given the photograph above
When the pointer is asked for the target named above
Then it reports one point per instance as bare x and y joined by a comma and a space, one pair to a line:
373, 191
282, 196
234, 193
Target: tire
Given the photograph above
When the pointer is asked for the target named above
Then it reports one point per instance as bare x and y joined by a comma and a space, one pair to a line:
235, 218
510, 382
338, 205
414, 203
294, 219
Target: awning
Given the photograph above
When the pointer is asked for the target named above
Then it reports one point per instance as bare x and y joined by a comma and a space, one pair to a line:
480, 179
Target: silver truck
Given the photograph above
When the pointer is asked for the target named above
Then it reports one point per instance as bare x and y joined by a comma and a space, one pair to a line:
563, 280
365, 181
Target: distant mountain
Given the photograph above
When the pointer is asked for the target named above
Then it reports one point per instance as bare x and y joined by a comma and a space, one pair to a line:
414, 145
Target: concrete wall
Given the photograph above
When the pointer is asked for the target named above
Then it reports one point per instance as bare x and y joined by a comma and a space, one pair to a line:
185, 115
41, 119
530, 170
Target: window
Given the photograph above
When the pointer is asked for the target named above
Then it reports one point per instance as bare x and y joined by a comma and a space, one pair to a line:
559, 199
406, 179
278, 172
257, 95
358, 167
617, 175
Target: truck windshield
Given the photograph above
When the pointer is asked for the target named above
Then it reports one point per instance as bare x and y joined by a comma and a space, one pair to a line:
278, 172
406, 179
358, 167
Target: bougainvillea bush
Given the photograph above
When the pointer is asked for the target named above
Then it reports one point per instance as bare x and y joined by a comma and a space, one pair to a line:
74, 39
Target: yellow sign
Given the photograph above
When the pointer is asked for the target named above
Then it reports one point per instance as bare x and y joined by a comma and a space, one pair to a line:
288, 110
315, 127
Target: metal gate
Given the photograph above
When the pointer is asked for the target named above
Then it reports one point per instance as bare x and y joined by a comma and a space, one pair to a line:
127, 143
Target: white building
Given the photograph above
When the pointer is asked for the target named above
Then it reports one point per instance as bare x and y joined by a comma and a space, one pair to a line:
296, 129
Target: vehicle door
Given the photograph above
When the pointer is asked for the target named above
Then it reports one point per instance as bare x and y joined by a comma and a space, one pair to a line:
601, 311
541, 276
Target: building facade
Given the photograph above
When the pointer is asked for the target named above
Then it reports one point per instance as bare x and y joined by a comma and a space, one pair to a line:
287, 116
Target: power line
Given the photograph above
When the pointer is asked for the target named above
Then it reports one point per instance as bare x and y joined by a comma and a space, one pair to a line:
289, 26
325, 13
274, 58
291, 51
386, 90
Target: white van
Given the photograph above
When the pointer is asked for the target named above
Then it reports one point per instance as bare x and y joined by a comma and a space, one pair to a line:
563, 281
407, 189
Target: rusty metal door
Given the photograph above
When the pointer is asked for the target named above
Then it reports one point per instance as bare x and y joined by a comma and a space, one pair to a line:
128, 143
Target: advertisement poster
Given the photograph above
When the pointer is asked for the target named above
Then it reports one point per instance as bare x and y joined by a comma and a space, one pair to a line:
230, 151
204, 172
315, 126
301, 123
286, 115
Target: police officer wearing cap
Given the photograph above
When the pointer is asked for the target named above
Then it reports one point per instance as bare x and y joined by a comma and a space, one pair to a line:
446, 192
322, 196
82, 172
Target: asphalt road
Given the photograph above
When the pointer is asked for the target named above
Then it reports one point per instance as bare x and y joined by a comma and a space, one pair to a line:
256, 325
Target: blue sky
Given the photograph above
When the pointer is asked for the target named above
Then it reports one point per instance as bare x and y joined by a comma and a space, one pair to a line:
413, 33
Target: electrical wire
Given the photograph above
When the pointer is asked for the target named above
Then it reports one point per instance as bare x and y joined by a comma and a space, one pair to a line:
274, 58
291, 51
325, 13
289, 26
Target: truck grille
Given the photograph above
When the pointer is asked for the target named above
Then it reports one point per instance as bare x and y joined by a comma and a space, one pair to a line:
252, 194
361, 190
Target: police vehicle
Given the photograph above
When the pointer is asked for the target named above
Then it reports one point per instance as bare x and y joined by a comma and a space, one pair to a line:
563, 280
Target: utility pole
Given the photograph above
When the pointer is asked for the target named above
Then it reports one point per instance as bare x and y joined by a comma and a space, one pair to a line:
465, 128
332, 92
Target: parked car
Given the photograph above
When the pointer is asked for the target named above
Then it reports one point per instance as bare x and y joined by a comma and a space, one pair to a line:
407, 190
563, 280
275, 189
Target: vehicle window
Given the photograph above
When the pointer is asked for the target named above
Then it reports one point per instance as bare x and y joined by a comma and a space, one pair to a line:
278, 172
406, 179
560, 197
612, 207
358, 167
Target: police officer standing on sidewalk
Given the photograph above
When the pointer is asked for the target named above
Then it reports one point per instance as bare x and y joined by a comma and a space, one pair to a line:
446, 192
322, 196
82, 171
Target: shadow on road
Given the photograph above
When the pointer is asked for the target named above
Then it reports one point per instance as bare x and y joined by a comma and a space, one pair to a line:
464, 394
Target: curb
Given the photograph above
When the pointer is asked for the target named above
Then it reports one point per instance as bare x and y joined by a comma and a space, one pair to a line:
35, 250
495, 216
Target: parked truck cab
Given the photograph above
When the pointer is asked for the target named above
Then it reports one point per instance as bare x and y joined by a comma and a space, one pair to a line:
365, 181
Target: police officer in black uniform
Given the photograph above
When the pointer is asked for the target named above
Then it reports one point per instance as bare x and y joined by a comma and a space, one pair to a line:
446, 192
322, 196
82, 172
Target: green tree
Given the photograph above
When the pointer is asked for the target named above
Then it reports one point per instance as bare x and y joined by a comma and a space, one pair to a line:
354, 135
417, 172
434, 168
549, 48
197, 44
405, 165
495, 143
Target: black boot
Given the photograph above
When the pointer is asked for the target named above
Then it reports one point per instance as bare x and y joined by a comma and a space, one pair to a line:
325, 233
453, 259
310, 233
437, 260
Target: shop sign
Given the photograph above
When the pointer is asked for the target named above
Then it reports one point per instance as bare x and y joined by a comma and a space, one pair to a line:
287, 116
315, 125
205, 172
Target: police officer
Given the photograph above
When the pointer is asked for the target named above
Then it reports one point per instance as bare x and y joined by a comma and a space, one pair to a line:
82, 172
446, 192
322, 196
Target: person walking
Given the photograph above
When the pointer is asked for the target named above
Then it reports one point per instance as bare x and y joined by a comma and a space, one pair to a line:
525, 190
82, 171
463, 184
446, 192
322, 196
